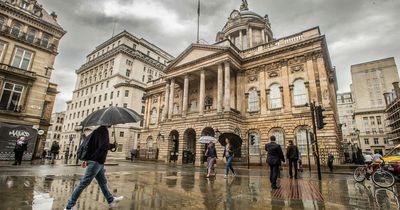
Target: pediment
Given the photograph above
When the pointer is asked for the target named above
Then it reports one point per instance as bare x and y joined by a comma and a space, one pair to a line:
193, 53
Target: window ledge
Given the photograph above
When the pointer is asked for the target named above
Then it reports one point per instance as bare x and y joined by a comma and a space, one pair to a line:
299, 106
275, 109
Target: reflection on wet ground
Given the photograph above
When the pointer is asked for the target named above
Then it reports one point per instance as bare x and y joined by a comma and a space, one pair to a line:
186, 188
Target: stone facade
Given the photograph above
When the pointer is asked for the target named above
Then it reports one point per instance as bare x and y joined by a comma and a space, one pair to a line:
392, 100
29, 38
54, 132
348, 124
219, 89
115, 74
370, 81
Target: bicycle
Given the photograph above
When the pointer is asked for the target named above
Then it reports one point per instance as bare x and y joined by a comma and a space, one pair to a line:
381, 176
384, 198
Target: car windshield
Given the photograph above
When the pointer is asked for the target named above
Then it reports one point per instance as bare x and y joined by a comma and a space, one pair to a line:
394, 152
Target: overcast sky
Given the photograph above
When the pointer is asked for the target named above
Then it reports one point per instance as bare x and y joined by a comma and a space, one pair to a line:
356, 30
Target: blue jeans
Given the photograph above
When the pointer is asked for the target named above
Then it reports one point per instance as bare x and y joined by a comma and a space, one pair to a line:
229, 164
93, 170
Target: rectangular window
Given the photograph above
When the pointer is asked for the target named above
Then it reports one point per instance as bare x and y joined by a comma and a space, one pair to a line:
117, 93
365, 120
385, 141
121, 134
128, 73
142, 110
376, 141
99, 98
125, 105
378, 120
30, 36
22, 58
120, 147
111, 95
126, 93
372, 120
10, 97
105, 96
366, 141
2, 47
45, 40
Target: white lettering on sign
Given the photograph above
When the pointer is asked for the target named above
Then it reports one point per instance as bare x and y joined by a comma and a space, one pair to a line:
18, 133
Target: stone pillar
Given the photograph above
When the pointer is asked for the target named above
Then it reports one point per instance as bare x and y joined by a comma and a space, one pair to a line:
263, 94
263, 35
241, 40
135, 141
250, 37
220, 88
171, 98
158, 108
311, 79
166, 102
227, 101
148, 112
202, 93
185, 95
286, 86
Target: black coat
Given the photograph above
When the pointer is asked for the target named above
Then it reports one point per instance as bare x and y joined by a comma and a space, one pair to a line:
275, 154
292, 152
55, 148
99, 145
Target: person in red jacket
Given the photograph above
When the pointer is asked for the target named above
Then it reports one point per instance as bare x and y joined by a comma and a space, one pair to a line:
97, 154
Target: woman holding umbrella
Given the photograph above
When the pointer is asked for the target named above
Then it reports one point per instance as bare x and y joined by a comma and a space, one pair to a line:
228, 154
211, 154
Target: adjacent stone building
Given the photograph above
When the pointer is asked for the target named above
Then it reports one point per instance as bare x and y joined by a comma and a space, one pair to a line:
348, 124
247, 86
29, 38
370, 80
392, 111
115, 74
54, 132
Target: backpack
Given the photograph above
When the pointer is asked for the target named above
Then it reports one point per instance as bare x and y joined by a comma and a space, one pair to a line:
83, 150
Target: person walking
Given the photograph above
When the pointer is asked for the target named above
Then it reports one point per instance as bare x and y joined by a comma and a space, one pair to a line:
133, 154
211, 154
229, 155
330, 161
44, 154
292, 155
274, 159
54, 150
20, 147
96, 156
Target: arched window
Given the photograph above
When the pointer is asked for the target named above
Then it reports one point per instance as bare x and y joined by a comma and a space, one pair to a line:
275, 96
149, 143
254, 100
300, 96
301, 139
254, 143
278, 133
153, 117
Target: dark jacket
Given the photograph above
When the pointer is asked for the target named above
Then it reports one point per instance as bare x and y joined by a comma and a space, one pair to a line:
99, 145
292, 152
55, 148
230, 151
212, 153
20, 147
275, 154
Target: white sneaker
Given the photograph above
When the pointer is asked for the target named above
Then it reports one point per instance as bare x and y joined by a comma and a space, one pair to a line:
226, 176
116, 201
73, 208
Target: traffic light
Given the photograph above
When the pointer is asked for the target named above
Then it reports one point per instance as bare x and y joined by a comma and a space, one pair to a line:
252, 139
319, 116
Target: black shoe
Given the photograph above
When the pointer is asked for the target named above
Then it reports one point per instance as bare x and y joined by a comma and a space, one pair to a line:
14, 164
295, 177
291, 177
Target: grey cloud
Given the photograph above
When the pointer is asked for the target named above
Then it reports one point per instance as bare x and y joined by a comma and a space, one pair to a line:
357, 30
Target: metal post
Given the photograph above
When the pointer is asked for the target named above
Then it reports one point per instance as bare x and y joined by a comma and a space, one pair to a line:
80, 139
248, 151
308, 151
312, 108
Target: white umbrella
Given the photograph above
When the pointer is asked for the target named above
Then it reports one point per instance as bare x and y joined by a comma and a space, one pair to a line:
207, 139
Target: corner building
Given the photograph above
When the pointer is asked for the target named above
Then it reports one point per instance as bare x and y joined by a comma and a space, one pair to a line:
29, 38
248, 85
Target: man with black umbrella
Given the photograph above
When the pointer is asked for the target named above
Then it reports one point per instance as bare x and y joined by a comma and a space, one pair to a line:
98, 146
274, 159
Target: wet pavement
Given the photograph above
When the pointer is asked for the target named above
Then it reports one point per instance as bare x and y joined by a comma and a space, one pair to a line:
158, 186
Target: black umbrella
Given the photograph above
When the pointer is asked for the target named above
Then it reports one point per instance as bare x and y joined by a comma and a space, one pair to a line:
236, 141
111, 116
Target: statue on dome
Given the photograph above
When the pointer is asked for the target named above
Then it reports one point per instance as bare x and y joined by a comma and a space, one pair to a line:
244, 5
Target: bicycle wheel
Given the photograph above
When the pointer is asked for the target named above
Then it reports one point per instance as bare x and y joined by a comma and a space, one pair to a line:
360, 174
386, 199
383, 178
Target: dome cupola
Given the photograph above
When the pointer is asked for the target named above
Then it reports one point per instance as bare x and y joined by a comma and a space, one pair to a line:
246, 29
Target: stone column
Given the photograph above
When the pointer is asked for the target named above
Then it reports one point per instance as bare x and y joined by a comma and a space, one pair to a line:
158, 109
185, 95
241, 40
263, 35
220, 90
227, 101
286, 86
202, 93
250, 37
166, 102
263, 94
171, 98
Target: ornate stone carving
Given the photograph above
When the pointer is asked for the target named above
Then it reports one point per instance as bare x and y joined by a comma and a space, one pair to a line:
252, 78
296, 60
273, 74
297, 68
273, 66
